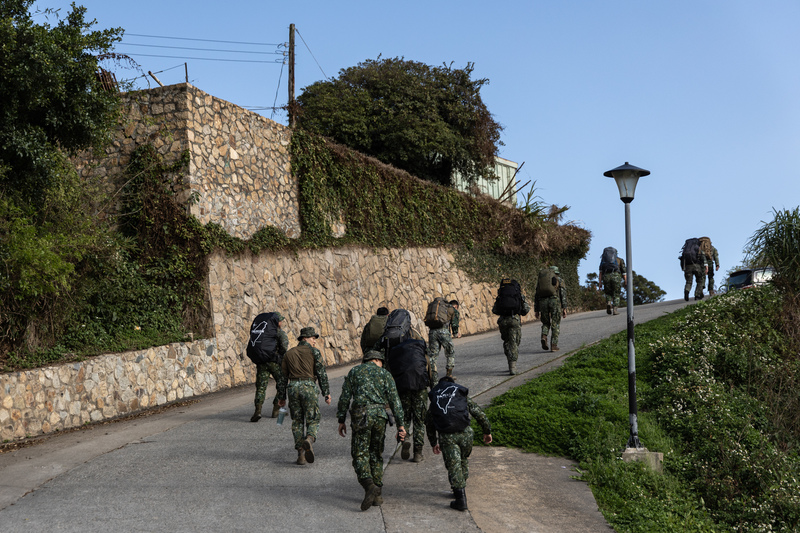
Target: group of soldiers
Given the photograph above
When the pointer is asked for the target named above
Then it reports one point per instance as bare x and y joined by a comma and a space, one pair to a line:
374, 396
699, 259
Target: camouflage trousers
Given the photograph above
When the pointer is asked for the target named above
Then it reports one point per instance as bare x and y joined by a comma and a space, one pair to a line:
263, 372
368, 432
612, 287
511, 333
438, 339
304, 409
456, 448
415, 406
710, 277
550, 309
692, 272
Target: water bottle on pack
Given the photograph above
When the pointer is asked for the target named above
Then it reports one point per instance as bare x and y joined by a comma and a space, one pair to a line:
281, 415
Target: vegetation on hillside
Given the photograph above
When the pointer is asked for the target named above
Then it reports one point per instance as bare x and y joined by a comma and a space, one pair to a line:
428, 121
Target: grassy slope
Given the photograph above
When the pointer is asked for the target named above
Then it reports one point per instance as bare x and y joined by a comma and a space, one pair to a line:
715, 396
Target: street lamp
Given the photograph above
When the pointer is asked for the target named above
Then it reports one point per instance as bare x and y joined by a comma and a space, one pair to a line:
626, 177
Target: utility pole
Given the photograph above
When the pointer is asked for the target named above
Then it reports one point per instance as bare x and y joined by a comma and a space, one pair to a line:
291, 76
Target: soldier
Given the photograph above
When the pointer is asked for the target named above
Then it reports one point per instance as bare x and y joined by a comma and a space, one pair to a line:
374, 329
301, 366
438, 338
551, 302
712, 258
611, 276
454, 323
510, 323
267, 345
373, 393
449, 417
694, 264
410, 367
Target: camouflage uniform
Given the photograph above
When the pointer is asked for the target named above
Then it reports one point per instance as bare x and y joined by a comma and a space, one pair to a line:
457, 447
454, 322
371, 388
415, 407
713, 264
550, 309
439, 338
697, 272
263, 372
612, 283
303, 400
511, 331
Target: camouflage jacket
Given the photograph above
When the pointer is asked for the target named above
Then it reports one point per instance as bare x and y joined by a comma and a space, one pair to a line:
371, 389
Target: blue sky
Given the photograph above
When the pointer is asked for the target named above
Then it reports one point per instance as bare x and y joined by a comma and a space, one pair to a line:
704, 94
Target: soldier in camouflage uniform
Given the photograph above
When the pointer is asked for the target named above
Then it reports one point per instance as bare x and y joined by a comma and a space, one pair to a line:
454, 323
301, 366
457, 447
439, 338
264, 370
611, 281
695, 271
511, 332
712, 258
551, 309
371, 390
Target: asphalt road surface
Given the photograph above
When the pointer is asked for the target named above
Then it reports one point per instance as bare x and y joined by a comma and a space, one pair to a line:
206, 467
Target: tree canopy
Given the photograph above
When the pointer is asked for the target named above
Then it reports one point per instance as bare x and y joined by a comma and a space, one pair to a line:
50, 97
428, 121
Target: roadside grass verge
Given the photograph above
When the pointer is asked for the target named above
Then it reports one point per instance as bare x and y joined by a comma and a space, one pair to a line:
717, 394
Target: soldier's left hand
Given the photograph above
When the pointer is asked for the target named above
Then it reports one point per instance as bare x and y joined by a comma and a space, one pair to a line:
487, 439
564, 313
437, 450
401, 432
328, 399
342, 430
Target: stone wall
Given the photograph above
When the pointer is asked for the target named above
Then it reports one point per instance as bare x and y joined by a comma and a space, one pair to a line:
239, 174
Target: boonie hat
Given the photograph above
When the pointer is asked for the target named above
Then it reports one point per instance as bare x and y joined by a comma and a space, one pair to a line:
308, 332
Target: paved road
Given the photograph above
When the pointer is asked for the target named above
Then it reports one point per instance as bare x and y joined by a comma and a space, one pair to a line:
205, 467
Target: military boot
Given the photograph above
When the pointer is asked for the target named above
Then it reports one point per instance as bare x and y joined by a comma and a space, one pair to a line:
308, 449
544, 342
512, 367
378, 501
301, 456
686, 295
275, 409
370, 491
614, 309
257, 415
418, 457
608, 308
554, 348
449, 373
460, 503
405, 453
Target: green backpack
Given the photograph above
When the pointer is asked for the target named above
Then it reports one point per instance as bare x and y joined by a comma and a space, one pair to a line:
548, 284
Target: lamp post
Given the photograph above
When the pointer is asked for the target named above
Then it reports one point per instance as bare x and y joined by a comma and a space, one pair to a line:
626, 177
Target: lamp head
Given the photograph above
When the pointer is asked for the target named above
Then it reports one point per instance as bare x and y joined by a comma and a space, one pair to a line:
626, 177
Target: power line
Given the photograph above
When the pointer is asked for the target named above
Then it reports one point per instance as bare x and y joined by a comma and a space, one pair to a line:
275, 61
202, 49
276, 92
312, 54
204, 40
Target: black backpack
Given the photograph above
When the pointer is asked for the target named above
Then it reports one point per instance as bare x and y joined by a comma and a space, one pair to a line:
263, 343
608, 263
398, 327
408, 365
690, 253
448, 407
509, 298
438, 314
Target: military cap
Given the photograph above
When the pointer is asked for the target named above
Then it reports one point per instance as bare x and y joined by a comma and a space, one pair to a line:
554, 269
305, 333
279, 316
374, 354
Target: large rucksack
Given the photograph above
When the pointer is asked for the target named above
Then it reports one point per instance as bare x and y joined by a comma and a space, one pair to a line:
705, 246
372, 332
438, 314
609, 263
547, 285
690, 253
263, 343
409, 366
509, 298
398, 327
448, 407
